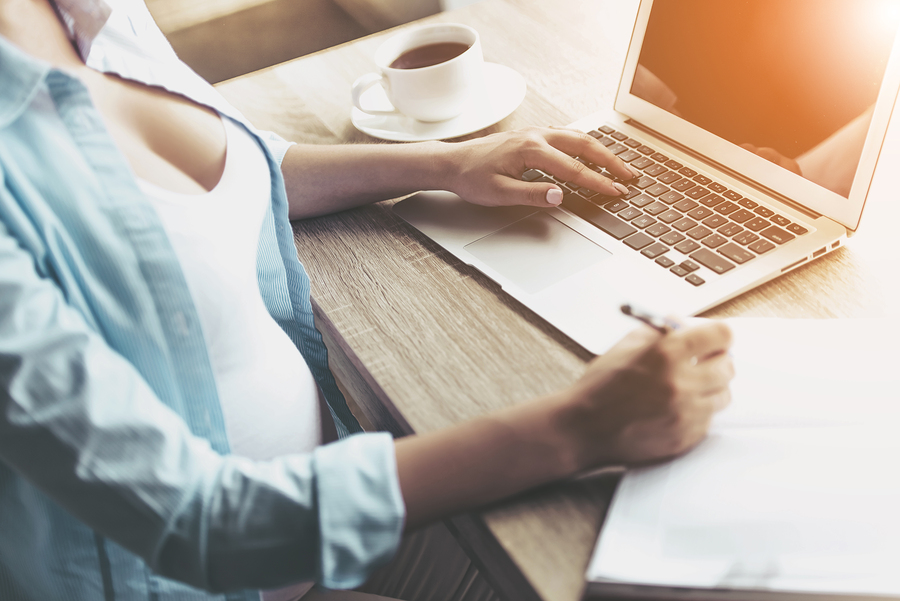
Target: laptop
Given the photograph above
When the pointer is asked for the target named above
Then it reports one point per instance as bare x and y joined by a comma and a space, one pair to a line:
757, 126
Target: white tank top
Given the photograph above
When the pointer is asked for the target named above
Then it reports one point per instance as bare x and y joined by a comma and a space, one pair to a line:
268, 395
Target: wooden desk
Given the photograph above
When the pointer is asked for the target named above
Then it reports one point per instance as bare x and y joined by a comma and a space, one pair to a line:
422, 341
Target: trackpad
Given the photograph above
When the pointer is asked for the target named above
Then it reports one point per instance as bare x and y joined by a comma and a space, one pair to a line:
537, 252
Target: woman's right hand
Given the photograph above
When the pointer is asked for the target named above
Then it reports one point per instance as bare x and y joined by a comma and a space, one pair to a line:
651, 396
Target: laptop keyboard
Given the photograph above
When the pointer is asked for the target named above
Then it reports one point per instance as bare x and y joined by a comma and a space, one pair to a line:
675, 216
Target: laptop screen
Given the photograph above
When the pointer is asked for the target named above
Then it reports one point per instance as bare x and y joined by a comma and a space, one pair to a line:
793, 81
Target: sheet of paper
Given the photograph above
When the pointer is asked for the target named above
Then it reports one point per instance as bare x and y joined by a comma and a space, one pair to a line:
797, 488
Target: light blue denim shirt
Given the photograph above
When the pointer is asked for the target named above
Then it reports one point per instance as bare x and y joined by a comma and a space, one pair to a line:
115, 476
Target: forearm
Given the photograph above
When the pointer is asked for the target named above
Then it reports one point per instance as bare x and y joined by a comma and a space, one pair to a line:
327, 179
486, 459
486, 171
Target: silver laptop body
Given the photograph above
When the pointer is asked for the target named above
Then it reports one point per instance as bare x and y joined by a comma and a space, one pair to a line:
731, 100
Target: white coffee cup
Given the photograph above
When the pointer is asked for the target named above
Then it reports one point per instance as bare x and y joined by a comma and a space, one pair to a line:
435, 92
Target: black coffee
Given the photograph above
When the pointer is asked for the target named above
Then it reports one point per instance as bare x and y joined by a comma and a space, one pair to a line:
428, 55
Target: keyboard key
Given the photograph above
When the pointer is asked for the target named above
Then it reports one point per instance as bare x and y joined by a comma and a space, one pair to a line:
777, 235
632, 192
736, 253
715, 221
688, 246
712, 261
714, 241
655, 209
630, 155
732, 195
711, 200
657, 189
606, 129
687, 172
684, 224
698, 192
642, 221
695, 279
642, 201
748, 204
671, 196
629, 213
702, 179
617, 148
660, 157
730, 229
741, 215
618, 135
669, 178
665, 261
670, 216
655, 250
644, 149
795, 228
701, 213
658, 229
643, 163
685, 205
672, 238
531, 175
716, 187
756, 224
673, 164
605, 220
595, 134
616, 206
726, 208
683, 185
699, 232
764, 212
638, 241
689, 266
631, 143
607, 141
779, 220
679, 271
761, 246
644, 182
745, 238
587, 193
654, 170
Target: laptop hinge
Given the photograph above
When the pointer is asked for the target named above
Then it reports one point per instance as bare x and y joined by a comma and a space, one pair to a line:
731, 172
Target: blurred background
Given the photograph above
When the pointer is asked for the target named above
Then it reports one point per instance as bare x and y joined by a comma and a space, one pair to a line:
221, 39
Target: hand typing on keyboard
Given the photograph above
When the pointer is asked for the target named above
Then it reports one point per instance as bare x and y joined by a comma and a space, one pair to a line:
489, 171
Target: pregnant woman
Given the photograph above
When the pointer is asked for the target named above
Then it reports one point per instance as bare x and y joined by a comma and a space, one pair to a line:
169, 428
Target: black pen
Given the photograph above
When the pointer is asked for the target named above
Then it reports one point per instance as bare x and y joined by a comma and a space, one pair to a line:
660, 324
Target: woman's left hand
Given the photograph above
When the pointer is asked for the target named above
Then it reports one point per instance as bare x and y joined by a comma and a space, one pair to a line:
488, 171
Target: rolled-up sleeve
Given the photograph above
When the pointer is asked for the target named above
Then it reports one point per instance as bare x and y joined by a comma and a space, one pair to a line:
79, 422
277, 145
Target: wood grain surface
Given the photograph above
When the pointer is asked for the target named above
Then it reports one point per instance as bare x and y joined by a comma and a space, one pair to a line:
422, 341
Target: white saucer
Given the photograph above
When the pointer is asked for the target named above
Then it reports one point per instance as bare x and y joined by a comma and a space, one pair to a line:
503, 93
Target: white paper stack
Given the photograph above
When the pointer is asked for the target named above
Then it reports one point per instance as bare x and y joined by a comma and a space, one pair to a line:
796, 489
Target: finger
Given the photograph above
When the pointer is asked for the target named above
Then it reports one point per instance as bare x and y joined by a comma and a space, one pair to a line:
704, 341
508, 191
721, 400
713, 375
576, 143
567, 168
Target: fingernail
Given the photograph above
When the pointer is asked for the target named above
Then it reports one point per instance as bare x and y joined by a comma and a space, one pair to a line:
634, 170
554, 196
620, 187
